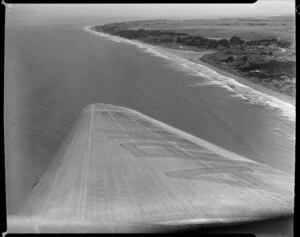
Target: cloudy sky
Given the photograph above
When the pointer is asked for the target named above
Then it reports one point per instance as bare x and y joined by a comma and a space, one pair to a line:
150, 11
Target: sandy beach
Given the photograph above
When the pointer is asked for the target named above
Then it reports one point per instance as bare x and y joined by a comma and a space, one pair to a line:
195, 57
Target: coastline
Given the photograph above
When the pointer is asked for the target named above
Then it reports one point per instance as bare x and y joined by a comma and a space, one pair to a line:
193, 56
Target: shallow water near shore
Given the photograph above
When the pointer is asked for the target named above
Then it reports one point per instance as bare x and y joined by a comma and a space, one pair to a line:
52, 72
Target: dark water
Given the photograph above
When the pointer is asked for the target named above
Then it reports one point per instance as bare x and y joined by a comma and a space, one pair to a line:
53, 72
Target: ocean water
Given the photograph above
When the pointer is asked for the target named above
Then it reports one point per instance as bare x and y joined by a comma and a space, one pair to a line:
53, 71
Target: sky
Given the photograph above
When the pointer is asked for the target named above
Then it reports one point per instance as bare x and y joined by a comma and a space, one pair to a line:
31, 12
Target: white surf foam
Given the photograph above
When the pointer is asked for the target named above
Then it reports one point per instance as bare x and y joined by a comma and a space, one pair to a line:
212, 77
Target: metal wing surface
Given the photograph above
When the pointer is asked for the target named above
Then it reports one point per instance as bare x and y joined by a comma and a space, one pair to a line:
122, 171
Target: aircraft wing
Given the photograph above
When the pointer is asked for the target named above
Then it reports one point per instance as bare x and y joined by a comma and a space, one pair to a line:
122, 171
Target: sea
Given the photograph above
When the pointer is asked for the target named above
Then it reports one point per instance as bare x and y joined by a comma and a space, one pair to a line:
54, 69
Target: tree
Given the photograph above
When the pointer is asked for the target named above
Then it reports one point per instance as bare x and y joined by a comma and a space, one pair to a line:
229, 59
224, 43
235, 41
245, 58
283, 44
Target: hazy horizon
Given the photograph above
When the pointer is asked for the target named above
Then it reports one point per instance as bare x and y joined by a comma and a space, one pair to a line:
31, 13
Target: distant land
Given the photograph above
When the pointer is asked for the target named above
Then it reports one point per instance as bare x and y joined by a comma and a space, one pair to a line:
261, 50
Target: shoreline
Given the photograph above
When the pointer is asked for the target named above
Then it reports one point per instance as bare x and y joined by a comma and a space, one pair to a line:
193, 56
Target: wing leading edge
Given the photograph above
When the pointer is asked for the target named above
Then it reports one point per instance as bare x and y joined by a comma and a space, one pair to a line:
120, 170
